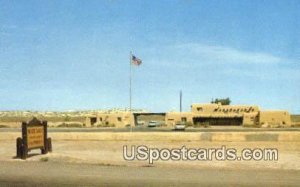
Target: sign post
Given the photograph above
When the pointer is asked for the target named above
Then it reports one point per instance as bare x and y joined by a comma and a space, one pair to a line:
34, 136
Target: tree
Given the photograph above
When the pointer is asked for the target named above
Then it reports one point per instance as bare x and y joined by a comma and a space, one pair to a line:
225, 101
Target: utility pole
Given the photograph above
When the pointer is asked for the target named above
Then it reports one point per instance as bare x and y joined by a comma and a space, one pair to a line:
180, 101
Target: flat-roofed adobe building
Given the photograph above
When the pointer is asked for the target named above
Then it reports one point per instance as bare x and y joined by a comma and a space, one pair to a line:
109, 119
122, 119
207, 114
235, 115
217, 114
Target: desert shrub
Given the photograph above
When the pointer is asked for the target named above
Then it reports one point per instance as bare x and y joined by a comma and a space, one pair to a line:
277, 125
204, 124
106, 125
99, 124
77, 125
295, 125
248, 125
197, 125
188, 124
44, 159
67, 118
295, 118
257, 125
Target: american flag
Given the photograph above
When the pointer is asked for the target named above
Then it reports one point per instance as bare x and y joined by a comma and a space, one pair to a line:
136, 61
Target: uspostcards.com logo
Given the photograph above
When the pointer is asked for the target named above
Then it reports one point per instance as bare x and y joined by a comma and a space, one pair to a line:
222, 153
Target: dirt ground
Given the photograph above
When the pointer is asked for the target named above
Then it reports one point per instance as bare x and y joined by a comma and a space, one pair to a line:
107, 156
110, 152
71, 174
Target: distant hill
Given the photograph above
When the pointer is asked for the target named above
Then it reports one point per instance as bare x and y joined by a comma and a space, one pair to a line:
54, 116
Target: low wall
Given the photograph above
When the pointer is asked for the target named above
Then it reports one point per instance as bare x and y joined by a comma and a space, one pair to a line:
166, 136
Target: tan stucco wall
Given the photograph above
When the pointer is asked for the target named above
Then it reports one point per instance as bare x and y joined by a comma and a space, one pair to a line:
250, 119
111, 119
251, 116
173, 117
275, 118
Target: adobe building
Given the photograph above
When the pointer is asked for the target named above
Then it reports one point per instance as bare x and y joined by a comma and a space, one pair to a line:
207, 114
122, 119
230, 115
108, 119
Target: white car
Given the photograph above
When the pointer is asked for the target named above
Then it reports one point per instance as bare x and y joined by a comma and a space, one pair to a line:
140, 123
179, 126
153, 124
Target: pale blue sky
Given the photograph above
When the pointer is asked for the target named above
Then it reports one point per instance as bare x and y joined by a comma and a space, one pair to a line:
60, 55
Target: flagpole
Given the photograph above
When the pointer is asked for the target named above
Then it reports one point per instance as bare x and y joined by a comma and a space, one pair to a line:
130, 57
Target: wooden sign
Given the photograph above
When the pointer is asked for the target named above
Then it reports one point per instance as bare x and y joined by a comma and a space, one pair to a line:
34, 136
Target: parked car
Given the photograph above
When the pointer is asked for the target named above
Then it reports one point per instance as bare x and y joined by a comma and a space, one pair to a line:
153, 124
180, 126
140, 123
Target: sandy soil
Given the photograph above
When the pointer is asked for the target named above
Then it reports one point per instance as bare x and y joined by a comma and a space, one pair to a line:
71, 174
111, 153
93, 159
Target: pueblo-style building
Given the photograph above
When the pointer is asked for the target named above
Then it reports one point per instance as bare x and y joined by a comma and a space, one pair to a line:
236, 115
110, 119
201, 114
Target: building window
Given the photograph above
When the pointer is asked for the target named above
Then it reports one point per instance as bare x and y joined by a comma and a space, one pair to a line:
119, 119
200, 109
183, 119
100, 119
